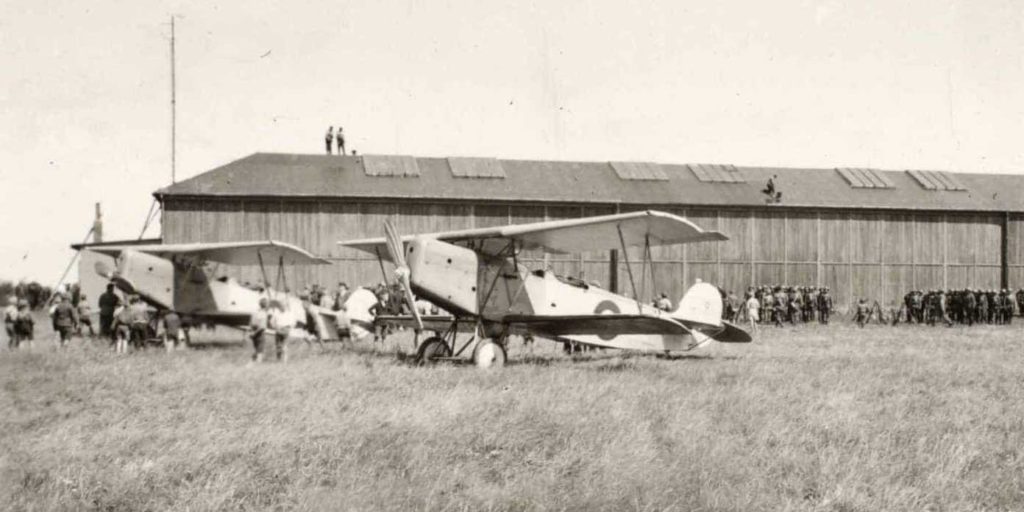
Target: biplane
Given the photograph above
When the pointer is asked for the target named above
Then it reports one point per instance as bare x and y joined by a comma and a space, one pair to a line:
186, 278
475, 275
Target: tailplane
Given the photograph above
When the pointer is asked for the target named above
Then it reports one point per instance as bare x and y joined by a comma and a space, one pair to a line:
700, 310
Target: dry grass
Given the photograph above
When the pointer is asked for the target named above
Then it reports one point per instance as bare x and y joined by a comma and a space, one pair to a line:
811, 419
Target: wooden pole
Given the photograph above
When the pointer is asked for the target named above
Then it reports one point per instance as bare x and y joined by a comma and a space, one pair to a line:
174, 112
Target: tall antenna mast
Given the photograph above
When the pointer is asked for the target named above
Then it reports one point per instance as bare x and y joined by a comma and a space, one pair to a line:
173, 109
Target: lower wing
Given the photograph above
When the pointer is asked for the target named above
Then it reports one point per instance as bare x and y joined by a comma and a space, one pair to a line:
566, 325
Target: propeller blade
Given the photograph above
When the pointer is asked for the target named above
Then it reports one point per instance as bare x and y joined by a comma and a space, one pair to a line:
394, 244
411, 300
397, 251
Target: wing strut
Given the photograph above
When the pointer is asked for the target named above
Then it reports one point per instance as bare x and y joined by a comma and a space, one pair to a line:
629, 268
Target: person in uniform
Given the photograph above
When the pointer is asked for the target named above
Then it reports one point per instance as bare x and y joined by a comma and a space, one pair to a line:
329, 138
795, 307
970, 306
767, 304
781, 306
10, 317
863, 311
1020, 302
258, 325
943, 301
108, 303
64, 320
825, 305
812, 303
982, 307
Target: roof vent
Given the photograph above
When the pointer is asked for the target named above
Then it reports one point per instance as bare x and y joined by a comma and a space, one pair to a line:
716, 173
467, 167
639, 171
937, 180
390, 165
865, 178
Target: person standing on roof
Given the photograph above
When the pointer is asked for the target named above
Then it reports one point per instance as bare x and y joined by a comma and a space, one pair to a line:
340, 139
329, 138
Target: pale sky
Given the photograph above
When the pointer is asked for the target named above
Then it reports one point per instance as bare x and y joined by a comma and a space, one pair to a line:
85, 115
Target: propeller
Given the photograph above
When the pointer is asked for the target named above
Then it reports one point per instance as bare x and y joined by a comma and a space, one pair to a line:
402, 272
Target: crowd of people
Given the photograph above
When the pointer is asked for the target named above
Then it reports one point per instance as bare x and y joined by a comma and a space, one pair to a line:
778, 305
968, 306
124, 324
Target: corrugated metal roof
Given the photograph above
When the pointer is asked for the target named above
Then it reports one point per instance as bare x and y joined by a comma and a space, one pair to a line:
471, 167
289, 175
397, 166
639, 171
865, 178
716, 173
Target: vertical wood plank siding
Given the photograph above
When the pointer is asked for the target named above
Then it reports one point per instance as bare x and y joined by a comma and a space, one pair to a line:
857, 254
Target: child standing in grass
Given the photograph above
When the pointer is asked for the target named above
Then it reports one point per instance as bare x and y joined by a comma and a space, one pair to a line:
121, 328
10, 316
84, 316
258, 329
753, 310
173, 334
24, 325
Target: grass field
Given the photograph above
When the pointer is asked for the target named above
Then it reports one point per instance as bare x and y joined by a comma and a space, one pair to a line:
815, 418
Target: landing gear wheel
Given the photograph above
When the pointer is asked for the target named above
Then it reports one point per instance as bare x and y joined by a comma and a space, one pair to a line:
432, 349
489, 354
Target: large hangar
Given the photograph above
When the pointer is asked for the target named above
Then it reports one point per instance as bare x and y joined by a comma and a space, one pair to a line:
862, 232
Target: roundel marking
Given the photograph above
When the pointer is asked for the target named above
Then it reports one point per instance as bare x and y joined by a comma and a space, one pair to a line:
603, 308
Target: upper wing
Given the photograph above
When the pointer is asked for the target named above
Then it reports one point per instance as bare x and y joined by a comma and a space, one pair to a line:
571, 235
270, 252
566, 325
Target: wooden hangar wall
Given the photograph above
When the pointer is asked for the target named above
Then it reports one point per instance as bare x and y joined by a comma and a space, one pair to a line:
857, 253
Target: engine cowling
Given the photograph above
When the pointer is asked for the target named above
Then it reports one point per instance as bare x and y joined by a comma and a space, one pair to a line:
444, 274
152, 277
